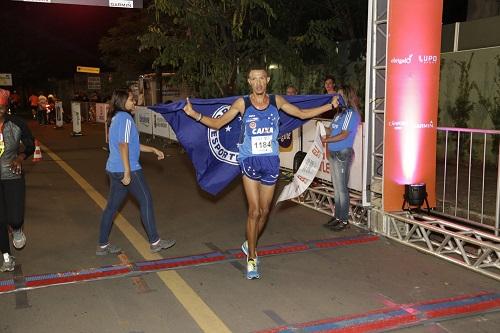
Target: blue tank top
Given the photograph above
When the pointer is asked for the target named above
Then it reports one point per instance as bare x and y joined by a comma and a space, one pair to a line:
259, 132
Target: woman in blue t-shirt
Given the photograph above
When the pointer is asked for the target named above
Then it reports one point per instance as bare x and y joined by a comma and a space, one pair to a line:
125, 174
340, 141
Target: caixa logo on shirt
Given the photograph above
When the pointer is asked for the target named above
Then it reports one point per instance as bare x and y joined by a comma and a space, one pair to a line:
223, 142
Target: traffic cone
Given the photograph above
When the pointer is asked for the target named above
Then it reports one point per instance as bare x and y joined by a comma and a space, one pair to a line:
37, 156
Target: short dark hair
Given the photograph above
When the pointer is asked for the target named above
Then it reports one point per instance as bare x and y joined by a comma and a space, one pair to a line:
257, 68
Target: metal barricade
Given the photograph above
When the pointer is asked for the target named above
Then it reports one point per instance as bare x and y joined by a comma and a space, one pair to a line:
468, 175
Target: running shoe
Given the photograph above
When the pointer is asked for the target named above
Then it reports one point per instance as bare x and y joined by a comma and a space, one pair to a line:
107, 249
8, 266
341, 226
162, 244
244, 249
252, 269
18, 238
332, 223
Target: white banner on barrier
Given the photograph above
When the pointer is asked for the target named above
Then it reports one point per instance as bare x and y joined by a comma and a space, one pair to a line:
308, 169
76, 114
101, 112
59, 114
161, 127
308, 132
144, 119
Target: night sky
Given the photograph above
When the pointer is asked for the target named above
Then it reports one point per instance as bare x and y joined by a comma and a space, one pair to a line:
50, 40
55, 38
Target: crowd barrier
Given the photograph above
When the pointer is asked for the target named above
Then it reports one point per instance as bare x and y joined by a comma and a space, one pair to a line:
152, 123
82, 112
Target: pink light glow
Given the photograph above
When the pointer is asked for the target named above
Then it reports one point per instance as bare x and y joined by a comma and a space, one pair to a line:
410, 104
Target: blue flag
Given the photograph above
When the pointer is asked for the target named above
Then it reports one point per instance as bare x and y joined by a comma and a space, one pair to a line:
214, 153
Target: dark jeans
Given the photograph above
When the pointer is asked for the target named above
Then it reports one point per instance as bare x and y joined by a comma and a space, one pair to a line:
12, 199
340, 162
41, 116
117, 194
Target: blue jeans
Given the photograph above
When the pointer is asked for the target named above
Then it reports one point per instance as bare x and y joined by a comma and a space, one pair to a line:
340, 162
117, 194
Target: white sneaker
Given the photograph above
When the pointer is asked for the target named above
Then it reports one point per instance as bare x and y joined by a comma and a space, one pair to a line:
8, 266
252, 269
18, 238
244, 248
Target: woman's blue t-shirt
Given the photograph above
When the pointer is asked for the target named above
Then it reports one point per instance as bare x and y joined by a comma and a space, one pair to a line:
123, 130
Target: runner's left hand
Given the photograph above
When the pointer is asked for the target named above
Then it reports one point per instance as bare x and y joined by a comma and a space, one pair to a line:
159, 154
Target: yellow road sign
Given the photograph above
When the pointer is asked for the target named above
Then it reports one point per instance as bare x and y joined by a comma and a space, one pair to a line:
92, 70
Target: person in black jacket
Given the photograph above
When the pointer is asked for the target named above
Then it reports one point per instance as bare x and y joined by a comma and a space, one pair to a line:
16, 144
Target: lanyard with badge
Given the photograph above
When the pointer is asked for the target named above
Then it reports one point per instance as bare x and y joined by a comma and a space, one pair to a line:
2, 142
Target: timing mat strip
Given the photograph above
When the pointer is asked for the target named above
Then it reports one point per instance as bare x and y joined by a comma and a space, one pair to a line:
92, 274
400, 315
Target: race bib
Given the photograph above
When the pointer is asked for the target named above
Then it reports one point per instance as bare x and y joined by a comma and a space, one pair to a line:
262, 144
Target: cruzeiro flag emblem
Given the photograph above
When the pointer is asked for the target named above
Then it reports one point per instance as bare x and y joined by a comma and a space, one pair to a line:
223, 142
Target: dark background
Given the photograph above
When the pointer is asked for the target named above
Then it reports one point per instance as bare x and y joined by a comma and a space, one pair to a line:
39, 40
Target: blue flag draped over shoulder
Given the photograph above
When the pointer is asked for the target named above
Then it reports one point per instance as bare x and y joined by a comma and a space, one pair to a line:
214, 153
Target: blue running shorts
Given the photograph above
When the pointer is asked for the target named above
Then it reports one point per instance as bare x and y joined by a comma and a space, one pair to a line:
265, 169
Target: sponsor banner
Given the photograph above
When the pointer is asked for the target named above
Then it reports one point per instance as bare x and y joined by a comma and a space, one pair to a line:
76, 114
308, 169
411, 98
59, 114
160, 127
144, 119
101, 112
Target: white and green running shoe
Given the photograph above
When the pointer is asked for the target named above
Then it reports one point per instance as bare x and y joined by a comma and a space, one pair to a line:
252, 269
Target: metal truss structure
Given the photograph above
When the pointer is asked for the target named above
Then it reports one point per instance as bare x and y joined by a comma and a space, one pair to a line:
376, 63
471, 248
320, 197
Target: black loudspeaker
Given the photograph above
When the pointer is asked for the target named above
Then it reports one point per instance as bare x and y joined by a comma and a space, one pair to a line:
297, 160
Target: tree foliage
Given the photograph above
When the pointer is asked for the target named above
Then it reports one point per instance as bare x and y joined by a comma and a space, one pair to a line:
460, 112
120, 47
211, 43
208, 41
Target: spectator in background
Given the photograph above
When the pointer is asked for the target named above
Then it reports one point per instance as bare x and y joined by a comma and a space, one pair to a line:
329, 88
340, 142
33, 102
51, 109
16, 144
15, 102
329, 85
42, 109
291, 90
